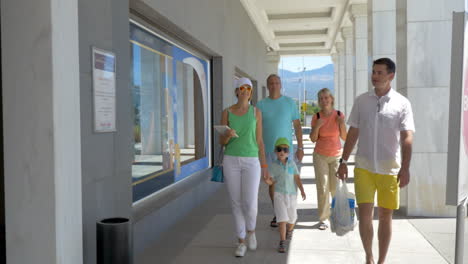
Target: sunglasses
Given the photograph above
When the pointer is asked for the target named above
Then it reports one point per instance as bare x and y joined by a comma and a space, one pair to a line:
279, 149
245, 87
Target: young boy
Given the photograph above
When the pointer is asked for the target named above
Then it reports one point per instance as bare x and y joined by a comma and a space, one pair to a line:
286, 178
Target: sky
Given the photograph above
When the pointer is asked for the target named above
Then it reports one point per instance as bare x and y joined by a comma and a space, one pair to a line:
296, 63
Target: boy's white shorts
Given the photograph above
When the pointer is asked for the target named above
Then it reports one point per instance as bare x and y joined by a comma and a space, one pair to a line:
285, 207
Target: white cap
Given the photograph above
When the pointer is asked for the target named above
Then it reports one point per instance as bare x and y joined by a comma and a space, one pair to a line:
243, 81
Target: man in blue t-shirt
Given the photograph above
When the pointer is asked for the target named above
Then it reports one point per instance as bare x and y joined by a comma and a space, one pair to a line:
279, 114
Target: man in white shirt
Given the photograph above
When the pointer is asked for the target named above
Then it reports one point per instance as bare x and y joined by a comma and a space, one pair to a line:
382, 120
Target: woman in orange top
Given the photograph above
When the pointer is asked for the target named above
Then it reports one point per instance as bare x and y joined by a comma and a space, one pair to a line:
328, 126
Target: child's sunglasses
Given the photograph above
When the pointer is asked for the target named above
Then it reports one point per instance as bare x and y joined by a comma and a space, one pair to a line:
245, 87
279, 149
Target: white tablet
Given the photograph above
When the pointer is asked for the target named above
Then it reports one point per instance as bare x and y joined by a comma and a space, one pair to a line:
222, 129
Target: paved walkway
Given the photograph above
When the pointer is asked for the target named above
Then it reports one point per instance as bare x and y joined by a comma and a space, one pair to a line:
206, 236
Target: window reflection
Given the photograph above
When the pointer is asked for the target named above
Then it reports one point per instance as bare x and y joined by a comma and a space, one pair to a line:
153, 122
169, 88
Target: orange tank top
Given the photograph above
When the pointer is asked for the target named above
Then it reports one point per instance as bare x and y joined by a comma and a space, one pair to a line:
328, 141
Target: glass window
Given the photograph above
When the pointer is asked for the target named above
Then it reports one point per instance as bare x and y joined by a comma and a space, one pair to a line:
170, 89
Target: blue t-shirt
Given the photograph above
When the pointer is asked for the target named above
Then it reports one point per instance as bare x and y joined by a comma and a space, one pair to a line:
284, 176
277, 120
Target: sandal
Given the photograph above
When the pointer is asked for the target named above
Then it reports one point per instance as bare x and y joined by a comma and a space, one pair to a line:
289, 235
273, 222
322, 226
282, 247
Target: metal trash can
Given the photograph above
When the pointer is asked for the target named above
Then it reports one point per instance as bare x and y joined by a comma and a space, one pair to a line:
114, 241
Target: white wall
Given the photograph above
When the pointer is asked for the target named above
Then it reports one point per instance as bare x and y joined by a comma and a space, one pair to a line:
382, 32
220, 29
225, 28
424, 52
41, 124
106, 157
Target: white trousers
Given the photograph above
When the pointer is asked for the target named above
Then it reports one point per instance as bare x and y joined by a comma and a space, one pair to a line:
242, 178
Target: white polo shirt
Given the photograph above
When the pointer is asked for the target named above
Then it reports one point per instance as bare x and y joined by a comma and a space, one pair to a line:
380, 121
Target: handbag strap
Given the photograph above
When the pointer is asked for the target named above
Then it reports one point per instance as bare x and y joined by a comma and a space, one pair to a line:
220, 156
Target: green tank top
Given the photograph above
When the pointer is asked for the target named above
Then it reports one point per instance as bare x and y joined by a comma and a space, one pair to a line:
246, 127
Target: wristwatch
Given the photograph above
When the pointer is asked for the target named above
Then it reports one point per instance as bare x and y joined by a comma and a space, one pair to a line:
343, 161
300, 148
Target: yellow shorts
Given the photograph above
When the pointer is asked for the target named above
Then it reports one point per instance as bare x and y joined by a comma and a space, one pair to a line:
387, 187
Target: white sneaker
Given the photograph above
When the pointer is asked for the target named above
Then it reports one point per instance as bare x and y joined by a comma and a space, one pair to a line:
252, 241
241, 249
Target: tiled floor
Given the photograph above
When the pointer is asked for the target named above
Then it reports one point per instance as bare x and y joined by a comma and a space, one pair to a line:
207, 236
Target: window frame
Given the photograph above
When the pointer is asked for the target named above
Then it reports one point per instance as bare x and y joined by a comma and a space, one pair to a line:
187, 168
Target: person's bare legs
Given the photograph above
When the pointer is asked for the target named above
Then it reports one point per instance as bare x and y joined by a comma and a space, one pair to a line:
271, 192
289, 230
242, 240
385, 232
282, 230
366, 231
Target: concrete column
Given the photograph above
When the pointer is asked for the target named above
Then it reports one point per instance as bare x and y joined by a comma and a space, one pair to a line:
336, 78
359, 17
273, 60
41, 122
342, 76
272, 63
347, 33
382, 32
424, 52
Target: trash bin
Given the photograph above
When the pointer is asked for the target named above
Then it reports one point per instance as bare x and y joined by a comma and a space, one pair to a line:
114, 241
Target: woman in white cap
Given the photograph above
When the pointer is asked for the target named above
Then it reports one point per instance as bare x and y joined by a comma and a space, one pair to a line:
244, 162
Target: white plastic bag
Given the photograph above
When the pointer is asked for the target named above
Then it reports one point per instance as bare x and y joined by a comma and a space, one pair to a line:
343, 215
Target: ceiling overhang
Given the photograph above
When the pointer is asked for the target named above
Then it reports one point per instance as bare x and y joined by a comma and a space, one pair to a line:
300, 27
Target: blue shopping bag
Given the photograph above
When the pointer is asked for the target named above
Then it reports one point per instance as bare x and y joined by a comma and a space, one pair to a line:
217, 171
217, 174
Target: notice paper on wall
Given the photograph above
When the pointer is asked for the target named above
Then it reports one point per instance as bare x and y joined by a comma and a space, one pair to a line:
104, 90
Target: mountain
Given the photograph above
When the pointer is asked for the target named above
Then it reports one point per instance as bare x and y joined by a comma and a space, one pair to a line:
315, 80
